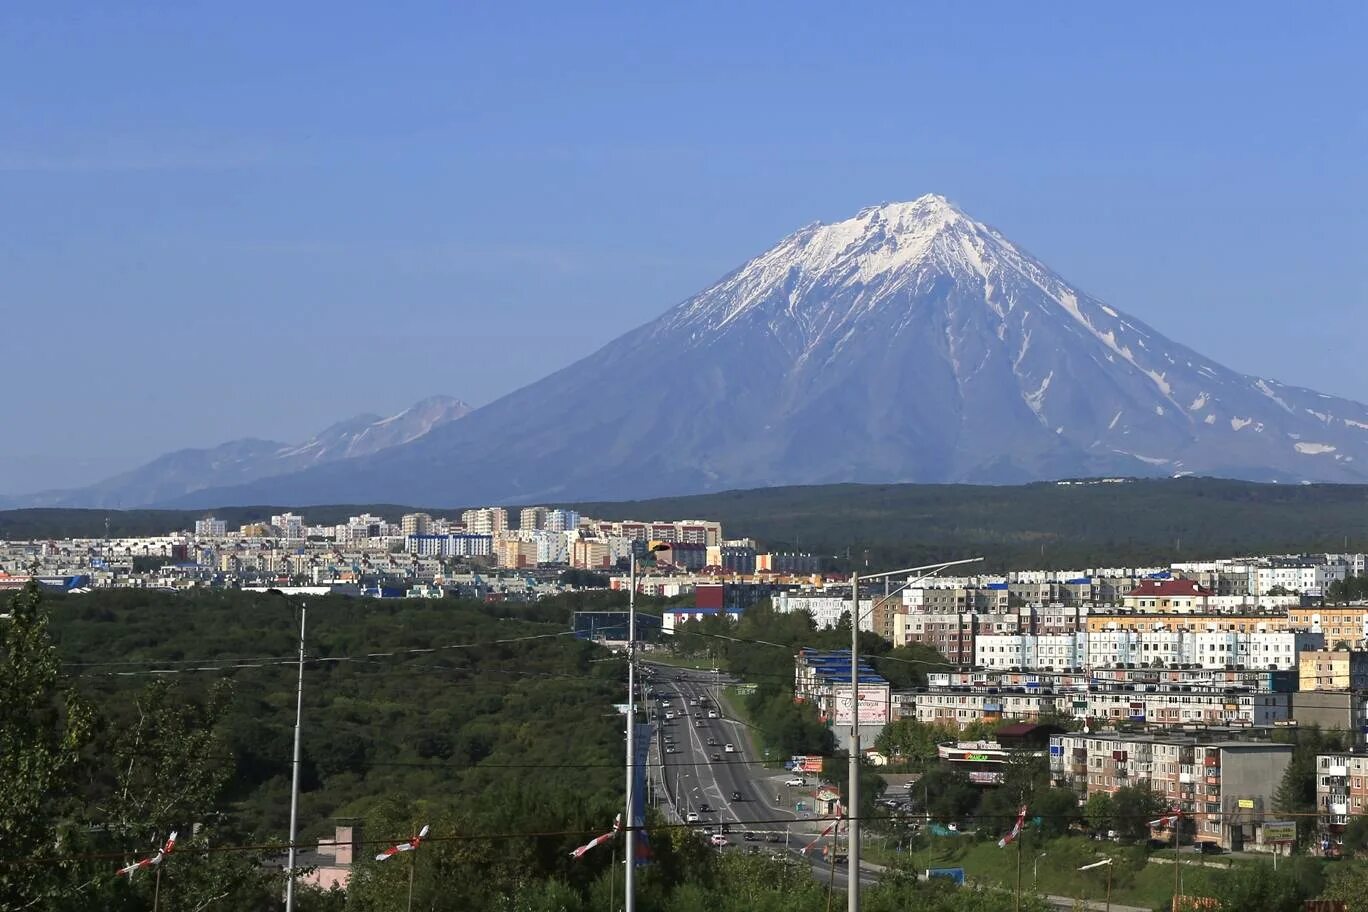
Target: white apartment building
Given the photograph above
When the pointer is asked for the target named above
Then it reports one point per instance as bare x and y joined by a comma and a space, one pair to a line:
561, 521
1206, 648
485, 521
532, 518
826, 610
209, 527
291, 526
1061, 650
450, 545
416, 524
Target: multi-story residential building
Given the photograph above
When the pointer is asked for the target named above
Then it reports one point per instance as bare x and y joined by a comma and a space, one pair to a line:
787, 562
532, 518
209, 527
1341, 794
561, 521
485, 521
683, 555
415, 524
1346, 624
289, 525
515, 553
826, 610
950, 634
1334, 669
1177, 596
1024, 650
1225, 786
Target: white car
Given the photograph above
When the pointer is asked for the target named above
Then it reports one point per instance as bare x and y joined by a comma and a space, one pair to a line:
712, 714
670, 714
718, 840
796, 782
691, 817
730, 748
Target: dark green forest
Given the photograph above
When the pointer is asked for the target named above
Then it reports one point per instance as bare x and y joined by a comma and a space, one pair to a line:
1140, 521
125, 715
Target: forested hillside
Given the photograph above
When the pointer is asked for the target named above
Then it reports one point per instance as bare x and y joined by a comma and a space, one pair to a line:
1081, 524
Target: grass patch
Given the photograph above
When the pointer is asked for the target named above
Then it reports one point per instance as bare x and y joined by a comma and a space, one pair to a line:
1055, 872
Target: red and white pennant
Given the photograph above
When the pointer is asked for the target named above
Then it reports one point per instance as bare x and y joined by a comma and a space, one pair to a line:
1015, 831
835, 824
1168, 821
606, 837
167, 848
408, 846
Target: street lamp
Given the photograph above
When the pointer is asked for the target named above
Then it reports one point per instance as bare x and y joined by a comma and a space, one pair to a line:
294, 765
1035, 870
629, 819
1107, 863
853, 787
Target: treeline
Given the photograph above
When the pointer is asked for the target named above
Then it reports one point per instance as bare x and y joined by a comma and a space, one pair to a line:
1349, 589
127, 715
1139, 522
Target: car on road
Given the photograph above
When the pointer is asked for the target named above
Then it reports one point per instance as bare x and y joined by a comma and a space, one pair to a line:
796, 782
716, 757
691, 817
729, 748
718, 840
705, 808
670, 714
712, 714
771, 837
671, 749
1209, 848
712, 742
751, 837
700, 724
736, 796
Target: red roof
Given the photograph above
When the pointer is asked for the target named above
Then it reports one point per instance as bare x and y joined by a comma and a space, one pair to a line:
1169, 588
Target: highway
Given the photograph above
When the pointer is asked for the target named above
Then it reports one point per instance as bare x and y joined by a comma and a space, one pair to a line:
688, 778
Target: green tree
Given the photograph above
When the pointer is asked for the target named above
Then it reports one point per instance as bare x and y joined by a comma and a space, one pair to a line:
44, 726
1347, 883
1258, 886
1132, 810
1100, 812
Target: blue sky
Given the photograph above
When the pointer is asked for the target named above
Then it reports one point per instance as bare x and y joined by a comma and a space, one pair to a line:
250, 219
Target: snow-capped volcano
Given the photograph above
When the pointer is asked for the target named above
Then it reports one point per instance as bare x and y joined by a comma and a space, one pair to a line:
910, 342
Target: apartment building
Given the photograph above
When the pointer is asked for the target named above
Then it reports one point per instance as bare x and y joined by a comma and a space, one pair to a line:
1024, 650
209, 527
1341, 793
1347, 624
950, 634
826, 610
1334, 669
415, 524
485, 521
1175, 596
1225, 786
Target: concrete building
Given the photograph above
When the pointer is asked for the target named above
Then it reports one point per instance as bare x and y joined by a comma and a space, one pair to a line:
415, 524
532, 518
826, 610
1334, 669
209, 527
1225, 786
1164, 596
485, 521
450, 545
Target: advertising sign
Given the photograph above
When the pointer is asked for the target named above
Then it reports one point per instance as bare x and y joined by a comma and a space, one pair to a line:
1280, 831
1246, 804
873, 705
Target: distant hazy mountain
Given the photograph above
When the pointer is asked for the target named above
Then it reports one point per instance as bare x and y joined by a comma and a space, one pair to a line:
908, 343
237, 462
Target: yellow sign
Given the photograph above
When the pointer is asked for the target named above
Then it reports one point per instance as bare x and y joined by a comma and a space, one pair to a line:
1247, 803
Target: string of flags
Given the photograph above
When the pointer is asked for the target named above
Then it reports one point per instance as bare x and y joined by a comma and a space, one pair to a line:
408, 846
1015, 831
606, 837
151, 861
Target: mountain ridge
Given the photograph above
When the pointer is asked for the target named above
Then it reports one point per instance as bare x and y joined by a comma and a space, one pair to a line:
908, 343
182, 472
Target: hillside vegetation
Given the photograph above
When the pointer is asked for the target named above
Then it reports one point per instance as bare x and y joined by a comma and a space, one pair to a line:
1143, 521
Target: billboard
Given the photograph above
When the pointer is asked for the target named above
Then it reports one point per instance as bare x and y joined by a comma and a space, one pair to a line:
1280, 831
873, 704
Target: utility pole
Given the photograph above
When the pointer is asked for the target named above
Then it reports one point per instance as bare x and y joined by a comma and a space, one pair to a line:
294, 774
853, 789
629, 818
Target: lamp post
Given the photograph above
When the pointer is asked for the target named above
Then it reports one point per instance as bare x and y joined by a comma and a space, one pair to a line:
294, 764
629, 819
1035, 870
853, 785
1106, 862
